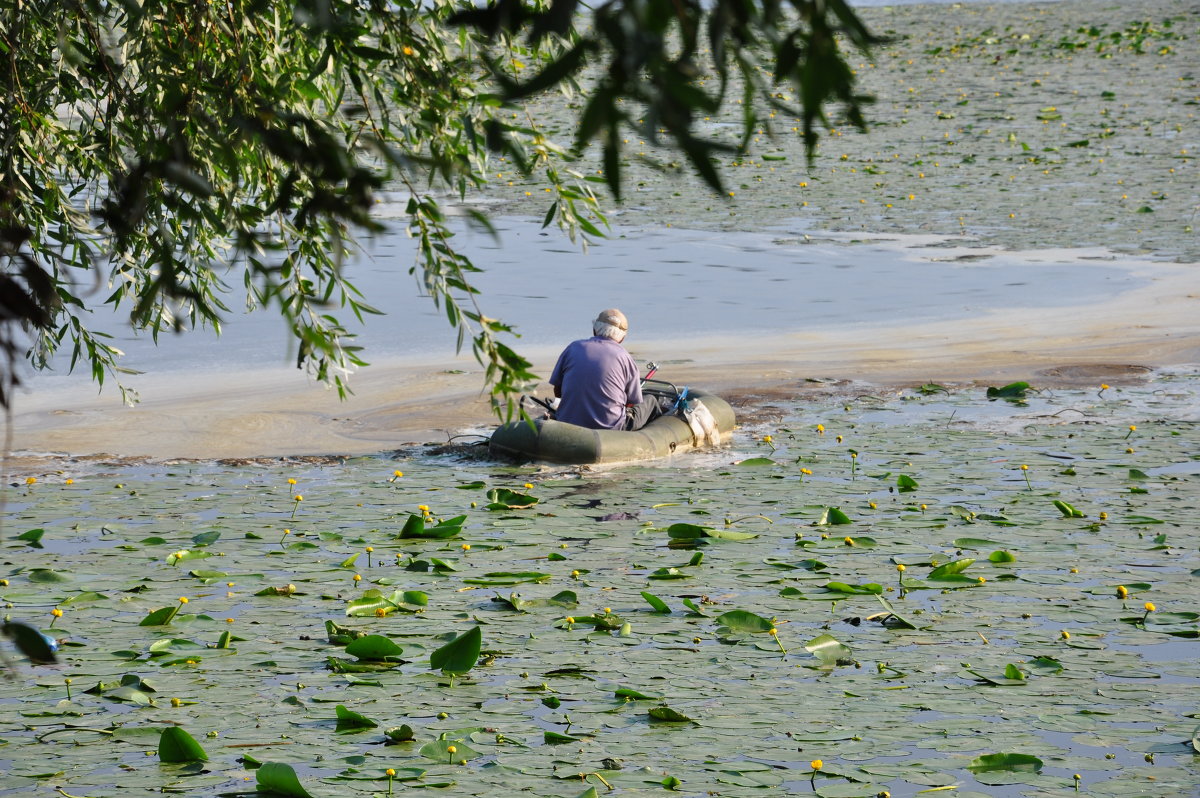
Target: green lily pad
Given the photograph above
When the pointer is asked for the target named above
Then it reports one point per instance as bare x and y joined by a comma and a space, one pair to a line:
556, 738
828, 650
953, 568
415, 527
665, 714
460, 654
508, 578
1012, 677
439, 751
870, 588
276, 778
1014, 390
657, 604
349, 720
1018, 763
374, 602
176, 745
374, 647
47, 576
505, 499
894, 620
1068, 510
667, 573
743, 622
32, 537
566, 599
833, 516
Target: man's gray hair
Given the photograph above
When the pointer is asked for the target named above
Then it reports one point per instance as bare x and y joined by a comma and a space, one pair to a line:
603, 330
611, 323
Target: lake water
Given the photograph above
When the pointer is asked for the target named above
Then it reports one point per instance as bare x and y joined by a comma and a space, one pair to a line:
672, 283
1023, 646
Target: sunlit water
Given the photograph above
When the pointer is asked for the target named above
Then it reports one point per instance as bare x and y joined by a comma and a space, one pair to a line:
671, 283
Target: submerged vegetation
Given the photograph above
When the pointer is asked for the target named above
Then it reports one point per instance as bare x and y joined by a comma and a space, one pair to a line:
1021, 125
865, 597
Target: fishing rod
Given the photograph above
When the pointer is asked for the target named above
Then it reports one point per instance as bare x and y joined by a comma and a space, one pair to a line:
652, 370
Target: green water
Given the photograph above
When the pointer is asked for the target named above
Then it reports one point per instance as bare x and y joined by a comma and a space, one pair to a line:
898, 709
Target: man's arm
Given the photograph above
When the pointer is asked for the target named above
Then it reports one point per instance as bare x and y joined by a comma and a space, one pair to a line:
559, 373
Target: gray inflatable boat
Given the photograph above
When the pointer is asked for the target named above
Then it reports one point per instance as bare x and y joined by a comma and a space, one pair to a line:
558, 442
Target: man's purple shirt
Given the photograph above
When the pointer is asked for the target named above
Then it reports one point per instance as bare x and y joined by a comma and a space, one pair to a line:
597, 379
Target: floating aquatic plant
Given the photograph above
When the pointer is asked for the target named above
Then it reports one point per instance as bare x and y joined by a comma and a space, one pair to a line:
874, 605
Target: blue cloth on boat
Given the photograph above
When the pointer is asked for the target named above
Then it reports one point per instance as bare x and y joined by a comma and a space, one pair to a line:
597, 379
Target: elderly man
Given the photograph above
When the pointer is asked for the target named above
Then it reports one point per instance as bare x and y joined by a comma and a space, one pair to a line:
598, 381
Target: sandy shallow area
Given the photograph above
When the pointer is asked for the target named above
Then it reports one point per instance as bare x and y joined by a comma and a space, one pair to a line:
1117, 340
961, 145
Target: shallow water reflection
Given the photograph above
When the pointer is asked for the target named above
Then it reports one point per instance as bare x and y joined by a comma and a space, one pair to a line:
672, 283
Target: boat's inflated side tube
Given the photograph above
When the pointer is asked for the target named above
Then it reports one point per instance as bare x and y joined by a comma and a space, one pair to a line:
558, 442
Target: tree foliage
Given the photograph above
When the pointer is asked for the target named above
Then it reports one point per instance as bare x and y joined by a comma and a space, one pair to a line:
162, 152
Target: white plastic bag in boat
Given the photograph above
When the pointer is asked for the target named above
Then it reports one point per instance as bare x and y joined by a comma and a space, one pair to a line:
704, 427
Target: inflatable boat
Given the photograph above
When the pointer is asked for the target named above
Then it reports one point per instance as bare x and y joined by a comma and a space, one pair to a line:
558, 442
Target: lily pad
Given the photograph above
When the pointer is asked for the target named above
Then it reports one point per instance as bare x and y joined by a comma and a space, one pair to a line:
32, 537
1018, 763
348, 720
374, 647
566, 599
665, 714
373, 602
415, 527
657, 604
743, 622
276, 778
828, 650
439, 751
176, 745
1068, 510
951, 568
1014, 390
508, 578
505, 499
460, 654
833, 516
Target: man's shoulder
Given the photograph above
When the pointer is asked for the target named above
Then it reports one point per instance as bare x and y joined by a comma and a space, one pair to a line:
606, 348
597, 352
595, 344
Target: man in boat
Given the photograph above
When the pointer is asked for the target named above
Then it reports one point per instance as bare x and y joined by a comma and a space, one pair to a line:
598, 382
